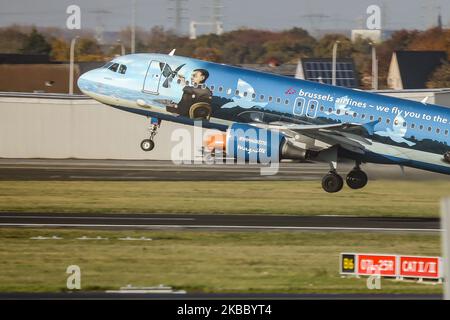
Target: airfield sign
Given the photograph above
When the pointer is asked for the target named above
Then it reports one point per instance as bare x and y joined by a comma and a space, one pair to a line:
396, 266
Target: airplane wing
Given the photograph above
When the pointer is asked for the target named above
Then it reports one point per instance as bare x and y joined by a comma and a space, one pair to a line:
363, 128
350, 136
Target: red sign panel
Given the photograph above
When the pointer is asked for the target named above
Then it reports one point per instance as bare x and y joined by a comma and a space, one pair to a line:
419, 267
384, 265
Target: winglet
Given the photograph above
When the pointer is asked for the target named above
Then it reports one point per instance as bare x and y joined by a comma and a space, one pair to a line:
370, 126
424, 101
172, 52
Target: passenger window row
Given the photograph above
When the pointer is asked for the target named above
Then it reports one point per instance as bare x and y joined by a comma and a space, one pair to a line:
380, 119
245, 94
363, 116
388, 120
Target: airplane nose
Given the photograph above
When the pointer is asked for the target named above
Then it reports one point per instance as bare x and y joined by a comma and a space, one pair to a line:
87, 75
85, 81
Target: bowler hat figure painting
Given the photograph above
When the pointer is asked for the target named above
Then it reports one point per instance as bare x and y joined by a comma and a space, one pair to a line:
196, 99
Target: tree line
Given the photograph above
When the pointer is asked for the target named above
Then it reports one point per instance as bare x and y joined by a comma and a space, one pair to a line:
235, 47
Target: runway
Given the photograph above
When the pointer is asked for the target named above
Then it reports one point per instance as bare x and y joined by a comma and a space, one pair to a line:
221, 222
152, 170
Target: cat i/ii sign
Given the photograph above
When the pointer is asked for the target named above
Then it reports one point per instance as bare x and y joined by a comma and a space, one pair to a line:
397, 266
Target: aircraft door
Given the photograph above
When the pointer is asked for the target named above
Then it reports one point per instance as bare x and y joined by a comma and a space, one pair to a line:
153, 77
312, 108
299, 106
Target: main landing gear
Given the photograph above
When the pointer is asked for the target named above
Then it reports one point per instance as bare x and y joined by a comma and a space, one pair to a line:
333, 182
148, 144
356, 179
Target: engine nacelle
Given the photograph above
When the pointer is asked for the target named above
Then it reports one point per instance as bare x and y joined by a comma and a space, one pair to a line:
252, 144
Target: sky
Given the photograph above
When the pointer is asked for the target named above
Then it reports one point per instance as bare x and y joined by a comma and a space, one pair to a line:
113, 15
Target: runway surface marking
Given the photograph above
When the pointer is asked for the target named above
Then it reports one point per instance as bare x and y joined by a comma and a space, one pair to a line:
221, 222
166, 170
211, 227
95, 218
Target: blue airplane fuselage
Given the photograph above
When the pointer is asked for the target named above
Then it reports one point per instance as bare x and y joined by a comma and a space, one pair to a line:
397, 131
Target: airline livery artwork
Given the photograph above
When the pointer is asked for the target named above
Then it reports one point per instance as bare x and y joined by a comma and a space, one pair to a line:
398, 131
317, 122
196, 101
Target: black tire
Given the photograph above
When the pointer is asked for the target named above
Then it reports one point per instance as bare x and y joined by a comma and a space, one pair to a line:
356, 179
447, 156
147, 145
332, 182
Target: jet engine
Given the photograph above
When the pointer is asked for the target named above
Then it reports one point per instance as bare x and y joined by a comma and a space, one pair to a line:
256, 145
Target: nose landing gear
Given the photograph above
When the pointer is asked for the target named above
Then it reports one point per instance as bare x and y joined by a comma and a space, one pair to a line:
148, 144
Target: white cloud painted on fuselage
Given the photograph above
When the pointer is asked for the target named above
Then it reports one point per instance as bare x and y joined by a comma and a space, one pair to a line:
397, 132
245, 102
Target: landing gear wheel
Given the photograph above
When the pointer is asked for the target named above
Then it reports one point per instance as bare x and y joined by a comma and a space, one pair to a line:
356, 179
332, 182
147, 145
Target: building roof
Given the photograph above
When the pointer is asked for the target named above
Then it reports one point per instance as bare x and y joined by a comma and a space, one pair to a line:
430, 90
88, 66
416, 67
41, 77
15, 58
283, 69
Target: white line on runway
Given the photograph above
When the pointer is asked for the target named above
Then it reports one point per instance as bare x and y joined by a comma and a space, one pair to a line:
214, 227
174, 169
163, 169
338, 215
95, 218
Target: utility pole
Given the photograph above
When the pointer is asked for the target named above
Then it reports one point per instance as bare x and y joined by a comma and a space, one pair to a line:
122, 47
100, 28
374, 67
133, 27
216, 15
178, 16
177, 10
72, 61
335, 47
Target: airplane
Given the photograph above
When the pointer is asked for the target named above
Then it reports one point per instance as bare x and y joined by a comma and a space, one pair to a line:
313, 121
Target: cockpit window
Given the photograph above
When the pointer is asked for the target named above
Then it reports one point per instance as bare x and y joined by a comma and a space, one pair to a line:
106, 66
122, 69
114, 67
